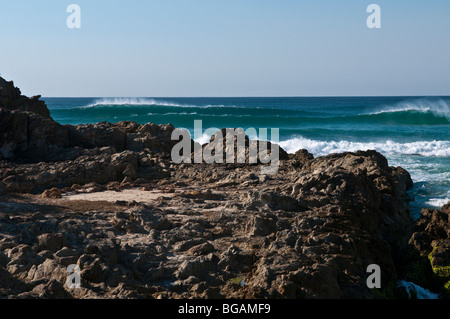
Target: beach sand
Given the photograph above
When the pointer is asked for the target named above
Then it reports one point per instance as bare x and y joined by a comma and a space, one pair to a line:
126, 195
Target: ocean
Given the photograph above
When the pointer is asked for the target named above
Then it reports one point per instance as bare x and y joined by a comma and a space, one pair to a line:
412, 132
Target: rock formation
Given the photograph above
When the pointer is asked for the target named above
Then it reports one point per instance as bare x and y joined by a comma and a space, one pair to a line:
207, 231
427, 261
12, 99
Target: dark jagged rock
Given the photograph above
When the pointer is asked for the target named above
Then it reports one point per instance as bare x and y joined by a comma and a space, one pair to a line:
28, 137
236, 136
31, 137
123, 136
427, 258
205, 230
432, 228
28, 133
302, 233
27, 130
301, 157
42, 154
12, 99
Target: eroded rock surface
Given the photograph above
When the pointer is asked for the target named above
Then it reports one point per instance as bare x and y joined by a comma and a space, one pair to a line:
207, 230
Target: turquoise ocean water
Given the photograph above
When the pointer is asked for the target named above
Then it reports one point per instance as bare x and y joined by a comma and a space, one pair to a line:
412, 132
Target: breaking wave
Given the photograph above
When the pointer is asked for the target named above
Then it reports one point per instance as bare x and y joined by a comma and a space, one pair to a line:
130, 102
320, 148
438, 108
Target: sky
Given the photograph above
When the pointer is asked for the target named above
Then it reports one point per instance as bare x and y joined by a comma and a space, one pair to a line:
170, 48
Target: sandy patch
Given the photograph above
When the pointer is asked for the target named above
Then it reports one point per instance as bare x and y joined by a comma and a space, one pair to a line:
127, 195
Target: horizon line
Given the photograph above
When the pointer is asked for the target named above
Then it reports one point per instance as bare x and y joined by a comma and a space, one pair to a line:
245, 96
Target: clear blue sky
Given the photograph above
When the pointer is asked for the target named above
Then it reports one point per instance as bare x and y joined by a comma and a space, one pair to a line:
156, 48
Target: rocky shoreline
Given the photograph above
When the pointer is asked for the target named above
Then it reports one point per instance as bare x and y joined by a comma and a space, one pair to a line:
206, 230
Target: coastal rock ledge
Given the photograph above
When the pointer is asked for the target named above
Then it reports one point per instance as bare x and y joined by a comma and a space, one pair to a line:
195, 230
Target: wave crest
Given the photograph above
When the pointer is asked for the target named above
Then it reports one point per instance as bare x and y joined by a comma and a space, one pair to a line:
437, 107
321, 148
125, 101
122, 101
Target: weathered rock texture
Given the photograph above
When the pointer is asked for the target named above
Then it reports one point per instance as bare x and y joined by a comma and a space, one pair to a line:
12, 99
427, 260
214, 230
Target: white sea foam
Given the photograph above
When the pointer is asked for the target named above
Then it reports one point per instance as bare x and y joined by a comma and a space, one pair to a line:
205, 138
173, 113
122, 101
125, 101
423, 174
320, 148
437, 107
437, 202
200, 114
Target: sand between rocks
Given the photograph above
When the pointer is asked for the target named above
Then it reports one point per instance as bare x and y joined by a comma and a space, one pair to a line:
127, 195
